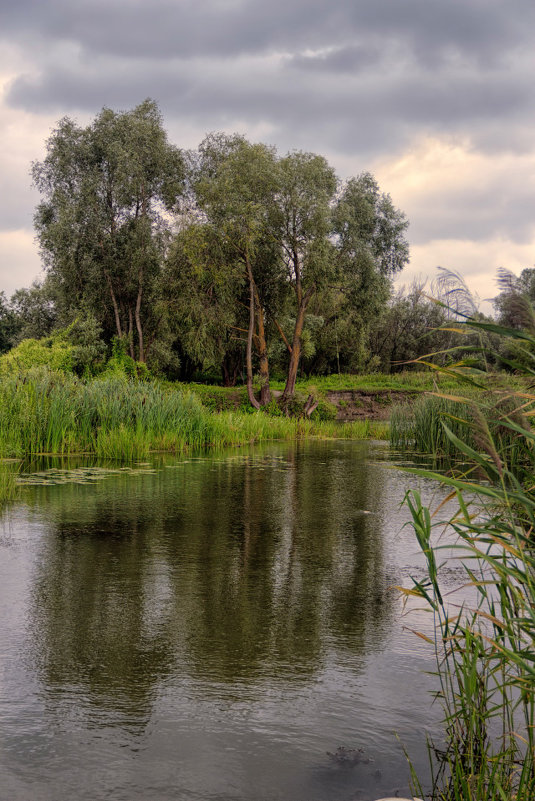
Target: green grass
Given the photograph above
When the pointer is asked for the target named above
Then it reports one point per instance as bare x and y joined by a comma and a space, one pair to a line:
436, 424
52, 413
416, 380
219, 398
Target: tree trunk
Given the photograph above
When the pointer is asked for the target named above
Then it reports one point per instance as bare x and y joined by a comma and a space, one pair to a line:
115, 307
283, 336
289, 389
131, 333
249, 351
137, 314
141, 346
229, 371
141, 349
265, 394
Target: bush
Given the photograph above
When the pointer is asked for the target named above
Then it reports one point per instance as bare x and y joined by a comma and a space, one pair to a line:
54, 352
325, 411
76, 349
121, 365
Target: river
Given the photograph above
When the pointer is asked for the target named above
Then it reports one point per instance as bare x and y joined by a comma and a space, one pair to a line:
217, 628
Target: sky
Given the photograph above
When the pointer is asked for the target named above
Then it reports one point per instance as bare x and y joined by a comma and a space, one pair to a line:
434, 97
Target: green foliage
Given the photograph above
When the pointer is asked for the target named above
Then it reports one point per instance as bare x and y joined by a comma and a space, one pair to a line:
103, 223
8, 485
35, 311
54, 412
89, 349
479, 420
324, 411
54, 352
260, 240
77, 349
485, 650
121, 365
8, 325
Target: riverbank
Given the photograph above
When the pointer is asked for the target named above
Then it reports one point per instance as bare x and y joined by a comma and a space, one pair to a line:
54, 413
341, 397
50, 412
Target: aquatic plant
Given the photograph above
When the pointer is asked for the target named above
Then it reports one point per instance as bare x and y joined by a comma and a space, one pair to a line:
485, 650
475, 417
8, 485
51, 412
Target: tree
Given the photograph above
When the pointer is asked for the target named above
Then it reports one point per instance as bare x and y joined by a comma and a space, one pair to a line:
370, 241
36, 310
103, 224
8, 325
209, 290
344, 249
515, 306
235, 185
408, 328
515, 303
306, 188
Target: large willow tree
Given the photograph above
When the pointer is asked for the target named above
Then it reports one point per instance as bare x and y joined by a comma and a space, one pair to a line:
103, 224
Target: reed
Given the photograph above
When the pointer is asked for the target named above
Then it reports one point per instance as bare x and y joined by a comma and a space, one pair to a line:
477, 419
485, 649
8, 486
45, 412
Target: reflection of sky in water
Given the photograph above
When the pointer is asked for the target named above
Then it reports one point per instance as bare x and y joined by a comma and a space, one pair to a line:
212, 627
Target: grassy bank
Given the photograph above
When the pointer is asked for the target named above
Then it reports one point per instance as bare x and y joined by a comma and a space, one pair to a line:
46, 412
324, 390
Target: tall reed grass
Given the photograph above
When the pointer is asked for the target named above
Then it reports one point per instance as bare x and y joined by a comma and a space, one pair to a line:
485, 650
8, 486
45, 412
479, 419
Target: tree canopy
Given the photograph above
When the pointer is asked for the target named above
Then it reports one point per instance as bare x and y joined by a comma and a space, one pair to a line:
103, 224
230, 256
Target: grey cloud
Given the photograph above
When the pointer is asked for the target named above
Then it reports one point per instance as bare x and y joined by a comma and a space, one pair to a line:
60, 88
499, 208
422, 63
351, 59
357, 114
165, 28
354, 77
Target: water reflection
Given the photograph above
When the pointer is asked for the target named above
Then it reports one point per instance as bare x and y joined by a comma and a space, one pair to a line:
211, 626
238, 570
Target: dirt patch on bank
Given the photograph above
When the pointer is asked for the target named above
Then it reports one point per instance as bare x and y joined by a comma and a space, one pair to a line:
368, 404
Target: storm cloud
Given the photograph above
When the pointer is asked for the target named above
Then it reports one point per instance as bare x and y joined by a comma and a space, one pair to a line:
361, 81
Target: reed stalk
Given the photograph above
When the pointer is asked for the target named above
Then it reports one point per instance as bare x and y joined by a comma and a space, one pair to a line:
485, 649
8, 486
44, 412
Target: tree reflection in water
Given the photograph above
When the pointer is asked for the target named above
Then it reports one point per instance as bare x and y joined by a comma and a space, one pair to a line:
233, 570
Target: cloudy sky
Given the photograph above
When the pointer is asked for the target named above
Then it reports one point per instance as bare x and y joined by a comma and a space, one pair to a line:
435, 97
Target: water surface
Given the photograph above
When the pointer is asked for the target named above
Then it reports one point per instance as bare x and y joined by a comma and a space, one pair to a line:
219, 628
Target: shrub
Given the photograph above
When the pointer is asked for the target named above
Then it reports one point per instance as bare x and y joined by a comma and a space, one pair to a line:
54, 352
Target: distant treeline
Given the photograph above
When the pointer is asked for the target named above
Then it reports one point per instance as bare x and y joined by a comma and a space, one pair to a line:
228, 260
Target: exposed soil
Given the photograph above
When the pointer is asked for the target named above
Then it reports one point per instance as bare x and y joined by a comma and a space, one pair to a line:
368, 404
351, 404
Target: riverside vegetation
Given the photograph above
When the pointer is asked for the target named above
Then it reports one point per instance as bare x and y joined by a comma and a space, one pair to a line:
485, 651
53, 412
116, 409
